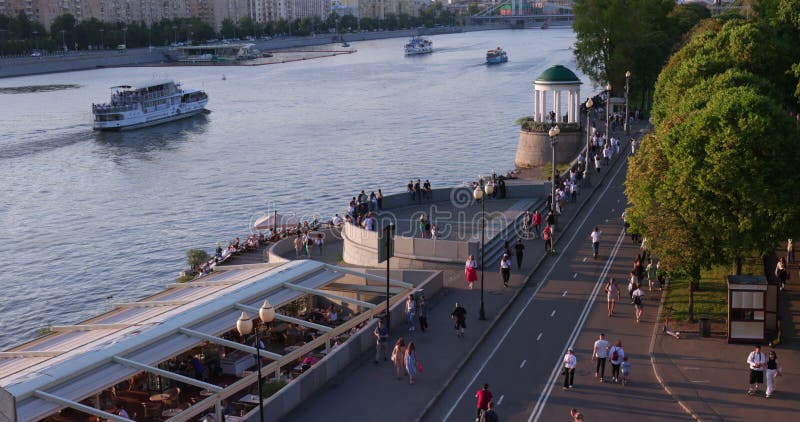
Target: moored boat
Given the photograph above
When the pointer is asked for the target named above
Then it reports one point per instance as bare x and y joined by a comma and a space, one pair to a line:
418, 45
495, 56
156, 102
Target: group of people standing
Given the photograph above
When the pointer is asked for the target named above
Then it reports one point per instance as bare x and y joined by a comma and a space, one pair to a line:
404, 355
602, 352
419, 191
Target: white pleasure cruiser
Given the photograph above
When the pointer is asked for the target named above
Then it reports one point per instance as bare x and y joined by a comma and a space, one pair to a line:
418, 45
148, 104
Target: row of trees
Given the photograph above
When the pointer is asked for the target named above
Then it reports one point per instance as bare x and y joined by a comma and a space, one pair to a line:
717, 180
19, 35
615, 36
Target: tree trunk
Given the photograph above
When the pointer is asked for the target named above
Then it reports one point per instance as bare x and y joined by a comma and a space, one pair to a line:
691, 301
737, 266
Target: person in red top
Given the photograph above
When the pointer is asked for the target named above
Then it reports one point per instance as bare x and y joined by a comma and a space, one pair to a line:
537, 224
484, 396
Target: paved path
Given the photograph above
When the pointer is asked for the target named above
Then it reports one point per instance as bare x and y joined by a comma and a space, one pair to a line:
371, 391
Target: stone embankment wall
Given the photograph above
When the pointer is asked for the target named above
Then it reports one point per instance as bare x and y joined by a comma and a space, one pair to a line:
534, 150
360, 247
84, 60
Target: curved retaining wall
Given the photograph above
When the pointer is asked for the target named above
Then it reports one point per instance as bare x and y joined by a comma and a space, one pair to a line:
533, 149
285, 247
360, 247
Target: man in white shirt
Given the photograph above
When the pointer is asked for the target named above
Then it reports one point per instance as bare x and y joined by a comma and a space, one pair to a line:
757, 362
600, 353
569, 368
595, 235
336, 220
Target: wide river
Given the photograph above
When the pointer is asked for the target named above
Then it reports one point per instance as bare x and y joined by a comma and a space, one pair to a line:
88, 219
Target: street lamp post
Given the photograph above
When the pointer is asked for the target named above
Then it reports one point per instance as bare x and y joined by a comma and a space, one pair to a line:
102, 41
125, 36
589, 105
244, 325
63, 40
608, 110
36, 39
553, 132
481, 197
175, 35
627, 83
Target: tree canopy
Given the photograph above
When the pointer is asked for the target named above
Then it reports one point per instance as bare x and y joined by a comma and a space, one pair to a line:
615, 36
716, 180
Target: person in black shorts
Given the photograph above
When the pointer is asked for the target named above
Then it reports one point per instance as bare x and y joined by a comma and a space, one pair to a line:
459, 316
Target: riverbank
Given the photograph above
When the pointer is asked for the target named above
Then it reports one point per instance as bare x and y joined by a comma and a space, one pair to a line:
155, 56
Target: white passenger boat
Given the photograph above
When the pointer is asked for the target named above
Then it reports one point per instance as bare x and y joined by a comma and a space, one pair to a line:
152, 103
418, 45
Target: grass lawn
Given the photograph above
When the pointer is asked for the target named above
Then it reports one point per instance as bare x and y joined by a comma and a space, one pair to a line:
712, 299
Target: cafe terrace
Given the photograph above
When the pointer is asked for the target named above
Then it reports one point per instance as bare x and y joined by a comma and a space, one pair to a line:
177, 356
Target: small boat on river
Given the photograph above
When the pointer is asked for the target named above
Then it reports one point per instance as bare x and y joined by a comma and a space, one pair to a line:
418, 45
498, 55
152, 103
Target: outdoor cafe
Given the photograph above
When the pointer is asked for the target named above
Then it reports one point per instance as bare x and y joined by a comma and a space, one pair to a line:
195, 351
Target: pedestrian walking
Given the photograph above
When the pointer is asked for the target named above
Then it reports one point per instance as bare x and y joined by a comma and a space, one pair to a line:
625, 370
781, 273
298, 246
490, 415
381, 340
483, 396
422, 311
470, 271
319, 242
570, 361
638, 302
632, 284
773, 371
595, 236
597, 163
410, 361
537, 224
459, 316
505, 269
652, 274
550, 220
410, 311
617, 355
379, 197
789, 251
612, 295
519, 249
548, 239
527, 222
398, 354
600, 354
757, 362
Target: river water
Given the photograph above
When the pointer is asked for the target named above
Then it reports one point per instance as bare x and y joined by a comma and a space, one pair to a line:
88, 219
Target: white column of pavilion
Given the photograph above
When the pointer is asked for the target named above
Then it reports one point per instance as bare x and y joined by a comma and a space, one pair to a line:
555, 81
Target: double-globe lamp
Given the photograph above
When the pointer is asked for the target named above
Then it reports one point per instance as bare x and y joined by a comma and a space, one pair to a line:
589, 105
244, 325
478, 194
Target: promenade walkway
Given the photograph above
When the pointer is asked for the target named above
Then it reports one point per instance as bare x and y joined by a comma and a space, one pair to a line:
709, 377
371, 392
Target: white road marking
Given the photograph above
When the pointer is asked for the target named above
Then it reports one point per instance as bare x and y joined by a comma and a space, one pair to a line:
564, 294
584, 259
548, 388
553, 266
500, 400
523, 363
539, 337
575, 275
552, 314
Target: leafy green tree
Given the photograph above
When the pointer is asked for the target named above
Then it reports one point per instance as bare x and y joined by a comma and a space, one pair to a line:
196, 257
